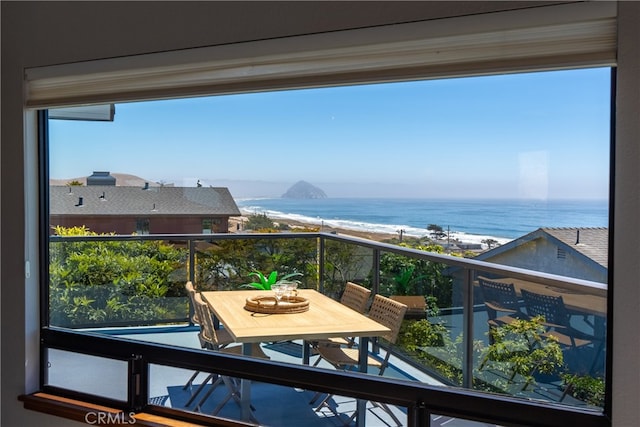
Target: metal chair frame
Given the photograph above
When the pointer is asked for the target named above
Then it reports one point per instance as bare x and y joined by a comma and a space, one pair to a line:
217, 340
500, 297
385, 311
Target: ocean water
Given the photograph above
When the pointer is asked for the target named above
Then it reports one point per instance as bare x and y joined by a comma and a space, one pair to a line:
467, 220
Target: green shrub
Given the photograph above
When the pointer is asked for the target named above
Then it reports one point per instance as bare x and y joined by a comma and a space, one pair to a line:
114, 282
521, 348
586, 388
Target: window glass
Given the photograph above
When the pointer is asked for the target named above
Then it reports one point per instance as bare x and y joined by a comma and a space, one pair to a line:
142, 225
512, 170
88, 374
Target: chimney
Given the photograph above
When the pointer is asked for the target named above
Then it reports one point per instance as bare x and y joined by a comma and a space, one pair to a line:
80, 201
146, 186
102, 197
101, 178
578, 236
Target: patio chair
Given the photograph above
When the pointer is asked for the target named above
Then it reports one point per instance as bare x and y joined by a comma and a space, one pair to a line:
500, 297
356, 297
385, 311
223, 337
557, 319
191, 290
217, 340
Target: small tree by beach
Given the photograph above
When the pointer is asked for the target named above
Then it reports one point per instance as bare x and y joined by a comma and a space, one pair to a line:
436, 231
490, 242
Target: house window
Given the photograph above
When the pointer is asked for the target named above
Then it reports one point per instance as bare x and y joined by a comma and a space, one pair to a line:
142, 226
210, 225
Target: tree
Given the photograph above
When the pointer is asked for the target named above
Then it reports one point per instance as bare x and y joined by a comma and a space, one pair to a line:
74, 183
259, 222
436, 231
490, 242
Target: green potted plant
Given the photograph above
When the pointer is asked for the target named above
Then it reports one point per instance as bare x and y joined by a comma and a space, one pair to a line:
264, 283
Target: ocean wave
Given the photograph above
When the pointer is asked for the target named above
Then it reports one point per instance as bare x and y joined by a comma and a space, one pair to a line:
407, 230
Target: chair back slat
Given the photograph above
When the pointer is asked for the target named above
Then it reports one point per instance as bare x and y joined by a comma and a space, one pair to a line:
207, 329
389, 313
551, 307
356, 297
191, 290
499, 294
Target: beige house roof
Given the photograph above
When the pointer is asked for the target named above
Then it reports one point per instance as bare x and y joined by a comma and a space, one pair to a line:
591, 242
586, 246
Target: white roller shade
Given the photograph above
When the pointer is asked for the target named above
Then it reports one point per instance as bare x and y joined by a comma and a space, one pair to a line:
551, 37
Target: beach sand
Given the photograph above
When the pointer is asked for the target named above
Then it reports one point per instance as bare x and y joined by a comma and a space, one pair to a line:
234, 222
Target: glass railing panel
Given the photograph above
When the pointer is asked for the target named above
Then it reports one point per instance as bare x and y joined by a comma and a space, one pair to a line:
543, 341
107, 283
231, 264
438, 420
98, 376
102, 283
431, 336
345, 262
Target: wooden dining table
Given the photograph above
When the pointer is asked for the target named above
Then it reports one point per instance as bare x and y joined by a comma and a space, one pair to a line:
325, 318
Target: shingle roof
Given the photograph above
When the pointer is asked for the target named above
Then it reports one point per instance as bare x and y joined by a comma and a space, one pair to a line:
591, 242
64, 200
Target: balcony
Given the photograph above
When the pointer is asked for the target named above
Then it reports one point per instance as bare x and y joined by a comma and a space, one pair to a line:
110, 312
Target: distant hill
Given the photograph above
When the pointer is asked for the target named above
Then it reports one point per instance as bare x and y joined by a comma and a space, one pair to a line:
304, 190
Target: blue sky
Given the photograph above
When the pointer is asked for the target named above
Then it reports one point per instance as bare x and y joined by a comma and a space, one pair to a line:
535, 135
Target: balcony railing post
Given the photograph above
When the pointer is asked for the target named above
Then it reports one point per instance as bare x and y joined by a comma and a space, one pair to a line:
375, 276
375, 288
418, 415
192, 260
321, 242
467, 329
138, 383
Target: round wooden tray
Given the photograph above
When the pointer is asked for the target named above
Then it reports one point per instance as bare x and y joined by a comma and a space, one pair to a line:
270, 305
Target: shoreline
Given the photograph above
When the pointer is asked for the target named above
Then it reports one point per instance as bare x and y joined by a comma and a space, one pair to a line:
372, 231
235, 222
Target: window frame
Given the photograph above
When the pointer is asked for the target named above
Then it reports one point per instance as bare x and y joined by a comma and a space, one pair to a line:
265, 85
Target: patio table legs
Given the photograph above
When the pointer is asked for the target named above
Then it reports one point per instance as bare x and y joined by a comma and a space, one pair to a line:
363, 354
245, 390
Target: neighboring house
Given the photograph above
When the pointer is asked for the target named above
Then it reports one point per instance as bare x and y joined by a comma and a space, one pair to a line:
143, 210
579, 253
575, 252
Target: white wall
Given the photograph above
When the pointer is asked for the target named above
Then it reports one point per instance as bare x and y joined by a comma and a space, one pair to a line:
48, 33
542, 255
626, 281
